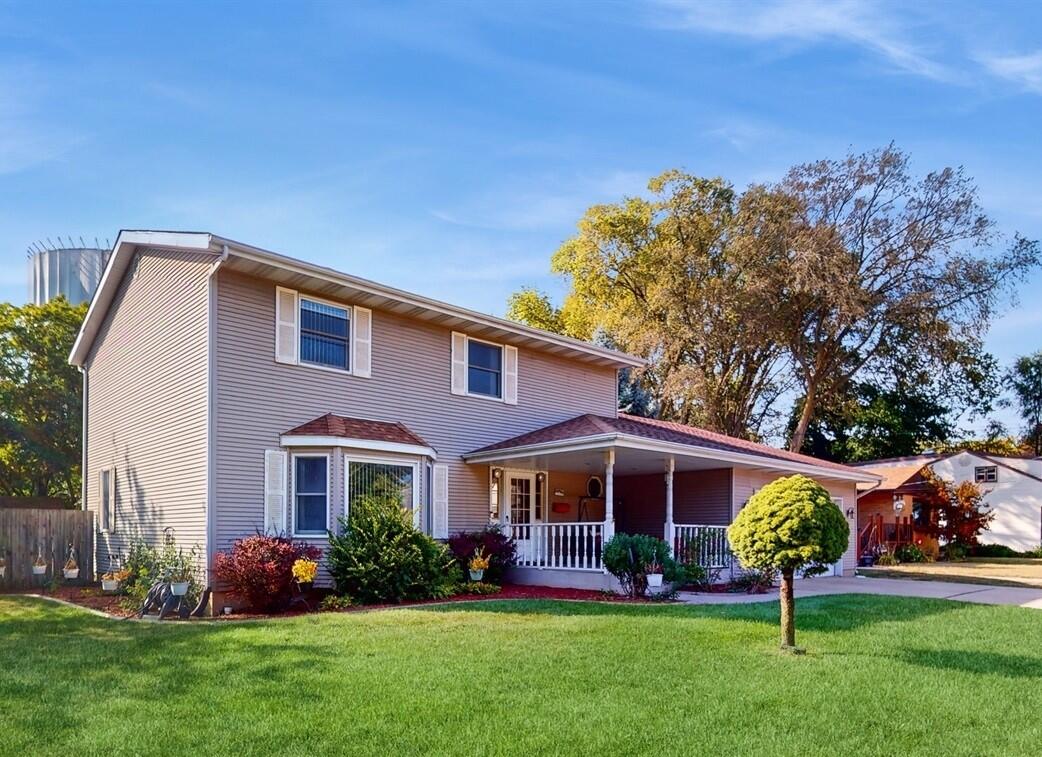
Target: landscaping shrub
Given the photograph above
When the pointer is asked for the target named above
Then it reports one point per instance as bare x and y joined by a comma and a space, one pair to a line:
144, 565
627, 557
259, 569
911, 553
754, 581
886, 559
996, 550
956, 552
334, 602
380, 556
479, 588
1036, 552
500, 550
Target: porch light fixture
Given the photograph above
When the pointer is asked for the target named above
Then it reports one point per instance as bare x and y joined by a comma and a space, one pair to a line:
850, 513
540, 477
899, 503
497, 473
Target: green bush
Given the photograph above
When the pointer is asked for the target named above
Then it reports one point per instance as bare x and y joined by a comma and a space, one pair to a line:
886, 559
754, 581
628, 557
334, 602
911, 553
478, 588
997, 550
956, 552
379, 556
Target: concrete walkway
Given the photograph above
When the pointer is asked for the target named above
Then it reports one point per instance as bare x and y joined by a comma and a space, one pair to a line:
894, 587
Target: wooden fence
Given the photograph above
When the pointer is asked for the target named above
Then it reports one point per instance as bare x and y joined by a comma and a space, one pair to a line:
26, 535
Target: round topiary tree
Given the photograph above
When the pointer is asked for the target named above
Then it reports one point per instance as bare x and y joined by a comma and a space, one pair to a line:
791, 524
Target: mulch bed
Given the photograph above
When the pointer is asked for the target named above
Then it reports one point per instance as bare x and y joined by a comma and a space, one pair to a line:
92, 597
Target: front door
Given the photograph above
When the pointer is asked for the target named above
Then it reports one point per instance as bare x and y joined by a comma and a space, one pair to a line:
520, 508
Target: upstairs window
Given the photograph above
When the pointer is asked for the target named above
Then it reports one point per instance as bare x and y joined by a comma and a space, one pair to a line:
986, 474
325, 332
484, 369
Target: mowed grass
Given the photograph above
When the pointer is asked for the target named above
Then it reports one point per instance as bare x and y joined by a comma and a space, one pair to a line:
882, 676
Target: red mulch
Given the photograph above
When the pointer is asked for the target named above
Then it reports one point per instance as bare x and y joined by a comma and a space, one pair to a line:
93, 598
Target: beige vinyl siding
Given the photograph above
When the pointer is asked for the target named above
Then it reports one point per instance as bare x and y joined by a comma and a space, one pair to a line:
257, 399
147, 403
747, 481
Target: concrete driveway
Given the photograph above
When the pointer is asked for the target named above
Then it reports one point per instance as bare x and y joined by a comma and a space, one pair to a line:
894, 587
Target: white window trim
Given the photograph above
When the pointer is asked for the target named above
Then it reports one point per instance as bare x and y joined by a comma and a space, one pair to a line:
984, 474
105, 516
399, 462
350, 333
502, 370
293, 493
291, 440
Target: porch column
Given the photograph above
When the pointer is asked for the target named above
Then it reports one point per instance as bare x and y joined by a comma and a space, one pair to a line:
609, 494
670, 466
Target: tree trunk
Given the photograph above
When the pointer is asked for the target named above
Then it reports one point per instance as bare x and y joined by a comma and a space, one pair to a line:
800, 432
788, 611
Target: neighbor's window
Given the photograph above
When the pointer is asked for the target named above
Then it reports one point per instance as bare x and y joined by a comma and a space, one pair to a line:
367, 479
484, 369
105, 490
310, 494
324, 334
986, 474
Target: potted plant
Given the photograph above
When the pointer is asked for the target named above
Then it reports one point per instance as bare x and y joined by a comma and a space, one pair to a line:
39, 566
478, 565
3, 566
71, 569
304, 572
180, 578
109, 582
654, 575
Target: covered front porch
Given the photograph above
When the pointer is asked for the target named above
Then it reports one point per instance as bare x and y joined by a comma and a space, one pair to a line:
561, 493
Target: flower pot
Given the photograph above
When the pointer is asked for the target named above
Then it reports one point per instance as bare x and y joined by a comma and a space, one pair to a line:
477, 575
179, 588
654, 580
3, 571
39, 570
71, 573
109, 584
305, 586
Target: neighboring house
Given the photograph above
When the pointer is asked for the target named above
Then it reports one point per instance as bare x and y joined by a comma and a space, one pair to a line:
229, 390
889, 514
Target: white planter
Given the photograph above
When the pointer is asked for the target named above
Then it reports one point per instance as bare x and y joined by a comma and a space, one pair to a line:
179, 588
71, 573
3, 571
39, 570
109, 584
654, 580
477, 575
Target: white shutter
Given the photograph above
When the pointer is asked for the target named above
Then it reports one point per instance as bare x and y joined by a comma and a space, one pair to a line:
440, 485
286, 315
510, 375
274, 491
362, 342
459, 363
112, 499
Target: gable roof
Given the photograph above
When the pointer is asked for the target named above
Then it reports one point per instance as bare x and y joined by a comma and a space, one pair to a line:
320, 280
902, 476
591, 427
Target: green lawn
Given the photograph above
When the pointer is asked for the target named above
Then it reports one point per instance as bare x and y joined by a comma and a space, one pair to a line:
882, 676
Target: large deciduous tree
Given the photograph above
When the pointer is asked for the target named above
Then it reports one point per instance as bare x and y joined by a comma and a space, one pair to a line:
1025, 379
876, 258
40, 401
673, 278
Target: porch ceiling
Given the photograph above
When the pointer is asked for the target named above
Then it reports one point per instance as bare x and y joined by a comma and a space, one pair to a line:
628, 462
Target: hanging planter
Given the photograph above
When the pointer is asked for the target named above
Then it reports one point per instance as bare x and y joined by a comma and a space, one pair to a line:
39, 567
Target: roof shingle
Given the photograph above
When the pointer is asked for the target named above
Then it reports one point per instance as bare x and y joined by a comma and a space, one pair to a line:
357, 428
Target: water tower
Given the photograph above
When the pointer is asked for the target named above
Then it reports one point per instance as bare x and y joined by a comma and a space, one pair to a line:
66, 268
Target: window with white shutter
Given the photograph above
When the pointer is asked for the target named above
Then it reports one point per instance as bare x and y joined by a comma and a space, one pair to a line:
105, 499
440, 502
275, 491
484, 369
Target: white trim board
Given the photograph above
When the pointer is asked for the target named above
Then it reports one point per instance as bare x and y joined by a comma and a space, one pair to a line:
297, 440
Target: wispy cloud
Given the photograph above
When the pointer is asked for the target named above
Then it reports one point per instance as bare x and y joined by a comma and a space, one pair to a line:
1024, 70
28, 137
862, 23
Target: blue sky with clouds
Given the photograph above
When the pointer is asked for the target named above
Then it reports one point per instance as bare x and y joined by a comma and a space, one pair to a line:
449, 148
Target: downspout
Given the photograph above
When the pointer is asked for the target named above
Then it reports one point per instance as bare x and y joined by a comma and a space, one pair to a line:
211, 425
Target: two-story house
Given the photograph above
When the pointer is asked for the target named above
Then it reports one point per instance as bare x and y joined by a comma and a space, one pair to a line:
229, 389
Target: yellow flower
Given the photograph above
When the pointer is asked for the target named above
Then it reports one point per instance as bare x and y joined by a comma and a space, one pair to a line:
478, 561
305, 570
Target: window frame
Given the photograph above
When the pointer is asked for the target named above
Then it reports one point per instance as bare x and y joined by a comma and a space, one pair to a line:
105, 504
981, 473
501, 397
296, 532
349, 310
417, 505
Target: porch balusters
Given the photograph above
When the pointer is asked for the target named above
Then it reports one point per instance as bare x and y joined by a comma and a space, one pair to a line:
568, 546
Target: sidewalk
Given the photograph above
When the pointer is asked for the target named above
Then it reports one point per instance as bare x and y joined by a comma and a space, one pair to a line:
989, 595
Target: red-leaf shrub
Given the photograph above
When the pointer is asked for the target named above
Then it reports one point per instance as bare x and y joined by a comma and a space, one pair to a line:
259, 569
498, 548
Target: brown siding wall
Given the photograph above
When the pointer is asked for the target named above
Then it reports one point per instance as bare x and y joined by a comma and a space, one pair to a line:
257, 399
147, 403
700, 497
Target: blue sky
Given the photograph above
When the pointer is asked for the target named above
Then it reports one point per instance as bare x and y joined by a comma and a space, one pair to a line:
449, 148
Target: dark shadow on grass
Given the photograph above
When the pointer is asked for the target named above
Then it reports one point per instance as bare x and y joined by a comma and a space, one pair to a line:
967, 661
839, 612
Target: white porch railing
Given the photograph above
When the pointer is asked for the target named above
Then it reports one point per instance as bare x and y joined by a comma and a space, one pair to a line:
569, 546
704, 545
